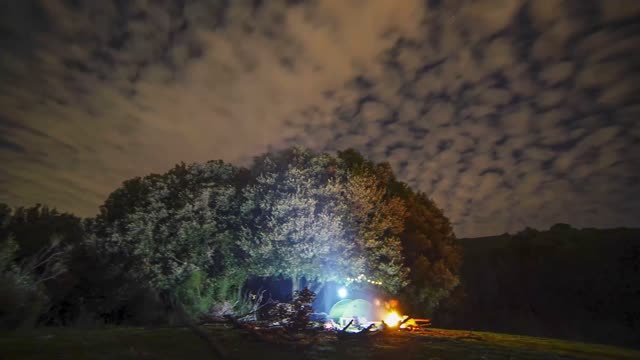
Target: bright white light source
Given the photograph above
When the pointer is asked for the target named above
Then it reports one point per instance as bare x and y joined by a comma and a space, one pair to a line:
342, 292
393, 319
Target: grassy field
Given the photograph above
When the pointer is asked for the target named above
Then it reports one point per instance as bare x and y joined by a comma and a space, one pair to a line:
179, 343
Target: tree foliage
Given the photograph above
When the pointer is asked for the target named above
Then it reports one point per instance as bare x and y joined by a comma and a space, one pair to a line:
376, 219
323, 218
412, 230
180, 230
294, 218
431, 252
191, 237
35, 247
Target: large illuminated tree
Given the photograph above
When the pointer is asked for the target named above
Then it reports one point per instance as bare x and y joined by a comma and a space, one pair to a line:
319, 218
294, 217
167, 230
405, 231
376, 218
295, 214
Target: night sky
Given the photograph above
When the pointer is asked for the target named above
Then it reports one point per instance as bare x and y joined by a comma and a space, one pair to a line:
508, 113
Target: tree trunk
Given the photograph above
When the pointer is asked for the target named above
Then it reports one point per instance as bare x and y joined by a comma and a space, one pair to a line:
296, 284
239, 296
316, 289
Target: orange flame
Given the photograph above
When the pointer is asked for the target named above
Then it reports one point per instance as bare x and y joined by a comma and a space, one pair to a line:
392, 319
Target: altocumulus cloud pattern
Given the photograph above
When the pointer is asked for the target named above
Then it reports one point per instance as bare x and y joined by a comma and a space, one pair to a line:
507, 113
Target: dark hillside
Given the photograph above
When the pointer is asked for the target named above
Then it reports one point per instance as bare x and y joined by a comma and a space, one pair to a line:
564, 282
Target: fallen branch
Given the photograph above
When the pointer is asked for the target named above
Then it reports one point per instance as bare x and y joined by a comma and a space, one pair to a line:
253, 312
212, 344
346, 327
364, 333
367, 329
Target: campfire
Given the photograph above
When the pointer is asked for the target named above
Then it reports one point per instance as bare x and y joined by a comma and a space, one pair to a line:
393, 319
348, 319
357, 315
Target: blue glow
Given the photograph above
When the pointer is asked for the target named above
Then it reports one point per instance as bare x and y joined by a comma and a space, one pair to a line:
342, 292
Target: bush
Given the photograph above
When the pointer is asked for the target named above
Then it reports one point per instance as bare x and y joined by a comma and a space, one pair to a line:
222, 309
85, 319
248, 304
195, 295
275, 312
295, 316
22, 301
302, 309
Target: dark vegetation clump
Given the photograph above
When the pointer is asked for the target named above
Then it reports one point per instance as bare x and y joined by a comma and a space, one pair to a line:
293, 316
302, 309
276, 313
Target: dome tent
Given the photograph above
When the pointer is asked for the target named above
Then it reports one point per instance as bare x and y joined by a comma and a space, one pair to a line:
352, 308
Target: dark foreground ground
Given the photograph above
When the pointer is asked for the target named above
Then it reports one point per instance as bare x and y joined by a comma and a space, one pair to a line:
179, 343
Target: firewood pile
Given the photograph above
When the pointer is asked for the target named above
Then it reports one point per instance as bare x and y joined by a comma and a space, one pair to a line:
295, 326
279, 334
366, 332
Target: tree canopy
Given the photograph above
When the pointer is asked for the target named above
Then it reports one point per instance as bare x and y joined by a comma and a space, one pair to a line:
294, 212
177, 228
193, 235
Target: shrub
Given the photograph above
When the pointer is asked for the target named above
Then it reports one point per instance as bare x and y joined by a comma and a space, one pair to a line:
302, 309
295, 316
22, 300
195, 295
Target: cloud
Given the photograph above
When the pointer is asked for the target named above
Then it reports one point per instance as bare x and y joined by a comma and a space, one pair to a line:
508, 113
557, 72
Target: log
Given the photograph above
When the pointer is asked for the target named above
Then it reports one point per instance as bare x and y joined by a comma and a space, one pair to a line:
362, 334
346, 327
367, 329
404, 321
